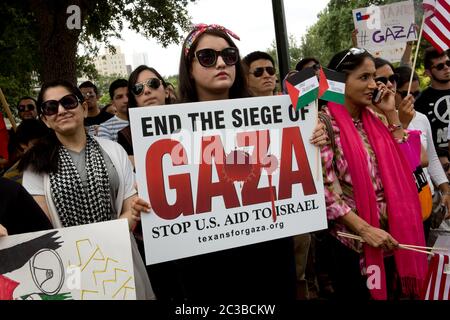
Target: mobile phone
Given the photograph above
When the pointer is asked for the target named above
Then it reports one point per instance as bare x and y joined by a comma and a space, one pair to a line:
376, 96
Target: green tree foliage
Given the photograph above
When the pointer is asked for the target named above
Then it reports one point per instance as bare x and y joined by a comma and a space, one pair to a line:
173, 79
295, 52
37, 45
18, 58
332, 31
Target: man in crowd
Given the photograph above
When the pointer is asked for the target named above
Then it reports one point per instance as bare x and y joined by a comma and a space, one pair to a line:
308, 63
434, 101
95, 116
118, 91
26, 108
261, 73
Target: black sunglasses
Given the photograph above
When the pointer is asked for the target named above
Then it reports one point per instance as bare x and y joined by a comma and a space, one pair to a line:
25, 107
50, 107
403, 94
441, 66
393, 78
316, 67
260, 71
208, 57
152, 83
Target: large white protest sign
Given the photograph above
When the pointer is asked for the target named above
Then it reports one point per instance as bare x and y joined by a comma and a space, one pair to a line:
392, 53
89, 262
213, 171
385, 28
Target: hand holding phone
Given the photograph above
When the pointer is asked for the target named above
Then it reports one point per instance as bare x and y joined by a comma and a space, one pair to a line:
376, 96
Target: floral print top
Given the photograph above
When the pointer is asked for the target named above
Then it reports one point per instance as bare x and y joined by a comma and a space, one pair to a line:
338, 184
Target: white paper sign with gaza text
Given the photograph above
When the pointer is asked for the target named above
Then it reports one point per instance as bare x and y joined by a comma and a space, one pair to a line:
213, 172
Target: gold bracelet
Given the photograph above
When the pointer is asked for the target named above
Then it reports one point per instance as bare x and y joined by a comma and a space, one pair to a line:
394, 127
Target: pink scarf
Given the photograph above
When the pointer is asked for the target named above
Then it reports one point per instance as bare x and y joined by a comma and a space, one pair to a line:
403, 207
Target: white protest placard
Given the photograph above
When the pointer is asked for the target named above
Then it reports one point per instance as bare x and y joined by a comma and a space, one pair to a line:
89, 262
392, 53
213, 171
385, 27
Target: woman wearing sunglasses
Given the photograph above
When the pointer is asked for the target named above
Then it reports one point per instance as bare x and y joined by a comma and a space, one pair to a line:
146, 87
78, 179
210, 69
369, 190
385, 74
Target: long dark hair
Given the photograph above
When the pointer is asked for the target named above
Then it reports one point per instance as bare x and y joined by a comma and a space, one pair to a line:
346, 62
43, 156
132, 80
404, 74
186, 84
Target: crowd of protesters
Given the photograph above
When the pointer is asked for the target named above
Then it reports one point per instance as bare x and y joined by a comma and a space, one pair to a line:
75, 162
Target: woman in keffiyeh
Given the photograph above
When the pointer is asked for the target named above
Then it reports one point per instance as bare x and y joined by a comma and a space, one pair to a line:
369, 191
78, 179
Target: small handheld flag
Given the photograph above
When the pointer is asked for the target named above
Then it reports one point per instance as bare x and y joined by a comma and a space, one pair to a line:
302, 87
332, 86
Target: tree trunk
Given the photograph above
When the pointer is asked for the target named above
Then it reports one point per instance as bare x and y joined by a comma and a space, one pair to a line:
57, 43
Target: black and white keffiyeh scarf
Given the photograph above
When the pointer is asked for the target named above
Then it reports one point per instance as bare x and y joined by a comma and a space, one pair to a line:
75, 204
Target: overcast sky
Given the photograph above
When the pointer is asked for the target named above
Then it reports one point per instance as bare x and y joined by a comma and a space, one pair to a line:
251, 20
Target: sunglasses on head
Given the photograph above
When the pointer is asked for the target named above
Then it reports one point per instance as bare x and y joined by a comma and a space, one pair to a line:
403, 94
351, 51
258, 72
50, 107
208, 57
393, 78
441, 66
25, 107
152, 83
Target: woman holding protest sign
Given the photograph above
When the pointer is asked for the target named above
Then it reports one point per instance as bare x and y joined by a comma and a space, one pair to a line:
210, 69
77, 179
369, 190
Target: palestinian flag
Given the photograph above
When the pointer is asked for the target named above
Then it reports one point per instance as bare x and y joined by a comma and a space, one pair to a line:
332, 86
302, 87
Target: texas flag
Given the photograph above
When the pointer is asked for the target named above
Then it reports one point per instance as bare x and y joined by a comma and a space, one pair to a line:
302, 87
362, 17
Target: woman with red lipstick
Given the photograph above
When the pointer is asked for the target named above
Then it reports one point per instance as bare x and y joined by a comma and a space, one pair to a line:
210, 69
77, 179
369, 190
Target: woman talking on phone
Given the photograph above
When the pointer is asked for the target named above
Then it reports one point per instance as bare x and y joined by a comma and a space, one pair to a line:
369, 190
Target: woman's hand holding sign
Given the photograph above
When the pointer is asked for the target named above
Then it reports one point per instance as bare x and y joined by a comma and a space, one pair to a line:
139, 205
132, 210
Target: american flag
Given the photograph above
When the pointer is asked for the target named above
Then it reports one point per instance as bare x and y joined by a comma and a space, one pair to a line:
436, 27
437, 283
